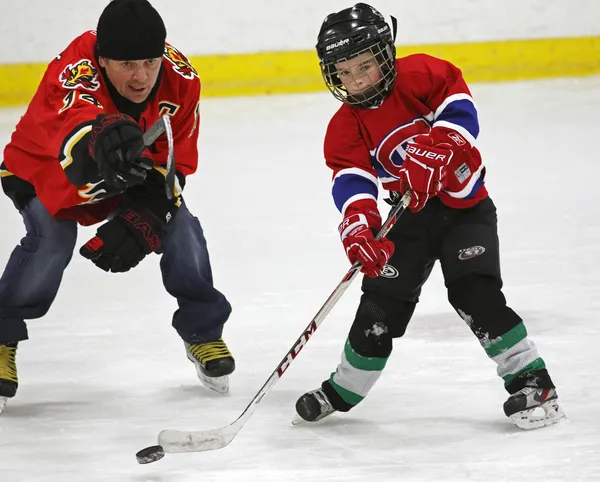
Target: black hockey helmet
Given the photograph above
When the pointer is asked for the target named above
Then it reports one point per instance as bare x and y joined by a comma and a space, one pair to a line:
350, 33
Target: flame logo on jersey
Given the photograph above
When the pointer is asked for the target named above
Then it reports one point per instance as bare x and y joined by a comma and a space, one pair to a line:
81, 74
181, 64
94, 192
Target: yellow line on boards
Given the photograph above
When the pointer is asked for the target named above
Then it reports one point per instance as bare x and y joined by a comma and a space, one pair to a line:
298, 71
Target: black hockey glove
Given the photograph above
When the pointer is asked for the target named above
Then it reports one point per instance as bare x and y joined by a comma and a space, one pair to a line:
121, 243
137, 230
114, 143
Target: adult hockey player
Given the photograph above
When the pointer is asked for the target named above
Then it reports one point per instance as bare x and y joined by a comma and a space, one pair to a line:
73, 159
411, 124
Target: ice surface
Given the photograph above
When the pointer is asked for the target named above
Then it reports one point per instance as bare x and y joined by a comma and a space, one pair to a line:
104, 372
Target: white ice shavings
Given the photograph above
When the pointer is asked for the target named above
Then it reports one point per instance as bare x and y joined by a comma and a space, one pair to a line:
378, 329
484, 338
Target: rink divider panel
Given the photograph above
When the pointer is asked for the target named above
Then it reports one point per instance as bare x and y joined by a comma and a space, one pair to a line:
298, 71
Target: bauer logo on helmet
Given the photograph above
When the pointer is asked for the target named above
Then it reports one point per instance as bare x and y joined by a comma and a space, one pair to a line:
337, 44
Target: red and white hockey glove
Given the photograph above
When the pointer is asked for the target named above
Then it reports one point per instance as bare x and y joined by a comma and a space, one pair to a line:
423, 171
466, 159
356, 233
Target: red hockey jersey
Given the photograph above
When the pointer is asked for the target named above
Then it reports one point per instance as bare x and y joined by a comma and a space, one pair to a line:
38, 161
364, 147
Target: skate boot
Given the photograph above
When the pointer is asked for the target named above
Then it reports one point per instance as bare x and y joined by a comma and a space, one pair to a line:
533, 407
8, 373
213, 363
312, 407
318, 404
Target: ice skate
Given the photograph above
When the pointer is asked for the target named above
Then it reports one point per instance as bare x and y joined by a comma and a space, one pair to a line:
8, 373
312, 407
213, 363
533, 407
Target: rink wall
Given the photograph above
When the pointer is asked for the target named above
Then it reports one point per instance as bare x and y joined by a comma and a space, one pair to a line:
267, 46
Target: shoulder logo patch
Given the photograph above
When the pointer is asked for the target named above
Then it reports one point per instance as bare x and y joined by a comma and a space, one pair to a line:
81, 74
181, 64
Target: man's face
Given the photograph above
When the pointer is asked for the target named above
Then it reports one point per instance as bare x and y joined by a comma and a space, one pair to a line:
359, 73
133, 79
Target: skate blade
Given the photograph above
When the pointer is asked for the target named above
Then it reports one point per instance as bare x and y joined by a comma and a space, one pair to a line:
217, 384
298, 420
3, 401
533, 418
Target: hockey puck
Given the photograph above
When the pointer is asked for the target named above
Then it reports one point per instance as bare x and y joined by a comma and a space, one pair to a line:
150, 454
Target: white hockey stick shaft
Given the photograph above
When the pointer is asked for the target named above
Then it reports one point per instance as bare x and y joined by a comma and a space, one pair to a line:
176, 441
155, 131
170, 176
163, 126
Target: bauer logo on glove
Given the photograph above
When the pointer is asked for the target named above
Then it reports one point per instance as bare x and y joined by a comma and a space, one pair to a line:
436, 155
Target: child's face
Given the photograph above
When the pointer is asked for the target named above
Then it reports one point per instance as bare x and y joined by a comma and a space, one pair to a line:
359, 73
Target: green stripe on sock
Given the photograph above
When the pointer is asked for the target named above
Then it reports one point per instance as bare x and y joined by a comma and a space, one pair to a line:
371, 364
348, 396
502, 343
537, 364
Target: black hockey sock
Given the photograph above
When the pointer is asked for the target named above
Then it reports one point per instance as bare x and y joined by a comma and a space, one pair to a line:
335, 398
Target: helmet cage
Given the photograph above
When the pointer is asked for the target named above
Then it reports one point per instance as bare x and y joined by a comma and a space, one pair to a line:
383, 53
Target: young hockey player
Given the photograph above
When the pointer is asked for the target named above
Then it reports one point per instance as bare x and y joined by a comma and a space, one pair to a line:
72, 159
411, 124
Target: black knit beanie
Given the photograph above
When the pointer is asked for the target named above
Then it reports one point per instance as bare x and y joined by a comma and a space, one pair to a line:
130, 30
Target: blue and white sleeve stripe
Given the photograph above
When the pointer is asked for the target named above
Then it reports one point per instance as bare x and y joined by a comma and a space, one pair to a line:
351, 185
458, 112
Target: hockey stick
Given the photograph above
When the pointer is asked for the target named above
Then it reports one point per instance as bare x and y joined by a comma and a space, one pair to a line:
170, 176
175, 441
161, 126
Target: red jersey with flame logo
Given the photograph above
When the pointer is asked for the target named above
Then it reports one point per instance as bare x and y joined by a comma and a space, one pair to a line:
46, 155
364, 147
